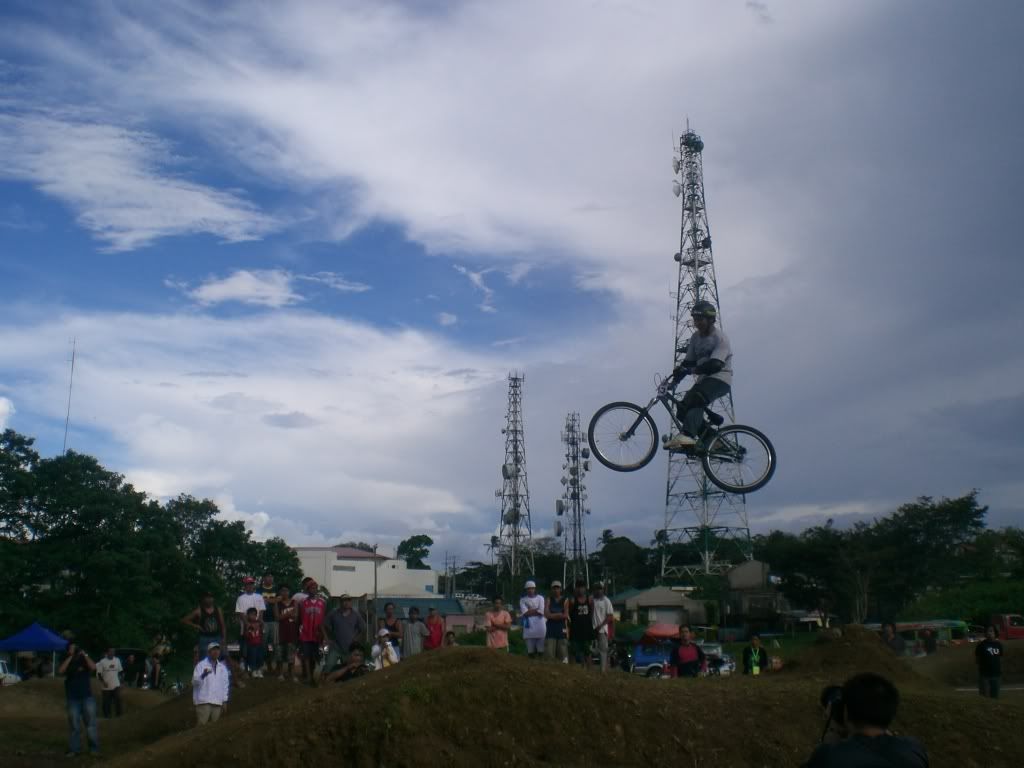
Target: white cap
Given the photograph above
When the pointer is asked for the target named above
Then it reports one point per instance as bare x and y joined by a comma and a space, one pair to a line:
383, 632
531, 584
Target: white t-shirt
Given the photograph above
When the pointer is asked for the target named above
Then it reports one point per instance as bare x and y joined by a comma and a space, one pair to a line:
246, 601
108, 671
534, 626
602, 610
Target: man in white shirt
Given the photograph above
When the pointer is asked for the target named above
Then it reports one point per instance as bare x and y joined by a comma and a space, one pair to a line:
383, 652
249, 598
109, 671
211, 684
531, 613
603, 616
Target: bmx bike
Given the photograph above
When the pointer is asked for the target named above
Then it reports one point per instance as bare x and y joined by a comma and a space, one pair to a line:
736, 458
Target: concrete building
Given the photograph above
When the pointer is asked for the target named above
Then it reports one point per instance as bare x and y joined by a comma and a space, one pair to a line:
347, 570
752, 595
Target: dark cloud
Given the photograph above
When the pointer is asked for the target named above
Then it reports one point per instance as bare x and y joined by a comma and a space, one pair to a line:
292, 420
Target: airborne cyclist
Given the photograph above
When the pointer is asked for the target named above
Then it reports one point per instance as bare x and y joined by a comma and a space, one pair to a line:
709, 358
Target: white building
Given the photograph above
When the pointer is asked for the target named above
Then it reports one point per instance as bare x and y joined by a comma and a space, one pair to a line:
347, 570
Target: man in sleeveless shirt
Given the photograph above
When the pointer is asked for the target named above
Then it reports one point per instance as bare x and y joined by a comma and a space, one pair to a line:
580, 608
208, 619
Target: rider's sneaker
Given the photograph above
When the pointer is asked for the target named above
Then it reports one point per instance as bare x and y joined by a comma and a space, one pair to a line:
680, 442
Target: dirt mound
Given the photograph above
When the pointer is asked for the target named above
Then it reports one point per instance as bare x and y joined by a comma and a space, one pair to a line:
836, 657
475, 707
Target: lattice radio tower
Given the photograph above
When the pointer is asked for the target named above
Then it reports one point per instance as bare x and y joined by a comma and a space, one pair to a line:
573, 503
514, 540
697, 513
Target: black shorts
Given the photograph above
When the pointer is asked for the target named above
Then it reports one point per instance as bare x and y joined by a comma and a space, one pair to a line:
310, 650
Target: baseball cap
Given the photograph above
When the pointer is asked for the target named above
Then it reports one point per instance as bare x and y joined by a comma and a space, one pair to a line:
382, 632
556, 584
248, 580
531, 584
213, 644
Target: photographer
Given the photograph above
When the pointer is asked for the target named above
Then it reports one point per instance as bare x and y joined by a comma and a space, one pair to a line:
867, 705
78, 670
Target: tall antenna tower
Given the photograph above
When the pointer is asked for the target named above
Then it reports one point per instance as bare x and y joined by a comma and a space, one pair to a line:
697, 513
71, 384
515, 542
573, 502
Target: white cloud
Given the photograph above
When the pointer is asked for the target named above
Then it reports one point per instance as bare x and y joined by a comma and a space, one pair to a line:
119, 182
335, 281
6, 411
447, 318
265, 288
477, 279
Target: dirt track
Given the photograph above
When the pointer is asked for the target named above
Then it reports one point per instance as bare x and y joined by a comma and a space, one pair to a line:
472, 707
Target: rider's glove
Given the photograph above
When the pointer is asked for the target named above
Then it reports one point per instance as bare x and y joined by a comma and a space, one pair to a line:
679, 374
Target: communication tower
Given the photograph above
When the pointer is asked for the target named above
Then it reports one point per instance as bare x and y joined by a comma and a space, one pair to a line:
697, 514
514, 541
573, 504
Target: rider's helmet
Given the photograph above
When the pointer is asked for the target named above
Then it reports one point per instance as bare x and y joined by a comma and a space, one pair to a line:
704, 309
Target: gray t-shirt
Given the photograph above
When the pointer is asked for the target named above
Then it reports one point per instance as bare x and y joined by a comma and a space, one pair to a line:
714, 346
345, 628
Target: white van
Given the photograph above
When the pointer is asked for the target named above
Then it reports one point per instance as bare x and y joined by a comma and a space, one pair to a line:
7, 677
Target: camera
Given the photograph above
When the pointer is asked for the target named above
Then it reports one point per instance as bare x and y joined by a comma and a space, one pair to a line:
831, 701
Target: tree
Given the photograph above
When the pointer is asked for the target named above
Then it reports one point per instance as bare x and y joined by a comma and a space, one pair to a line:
356, 545
415, 550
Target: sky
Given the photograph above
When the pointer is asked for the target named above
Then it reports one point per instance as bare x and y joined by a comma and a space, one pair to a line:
299, 246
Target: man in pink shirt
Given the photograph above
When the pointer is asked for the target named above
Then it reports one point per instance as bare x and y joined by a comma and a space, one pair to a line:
497, 623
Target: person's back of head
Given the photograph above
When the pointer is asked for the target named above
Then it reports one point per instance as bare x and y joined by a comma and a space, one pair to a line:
870, 700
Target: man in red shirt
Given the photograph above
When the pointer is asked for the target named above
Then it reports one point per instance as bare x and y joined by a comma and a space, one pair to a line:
311, 630
435, 625
689, 657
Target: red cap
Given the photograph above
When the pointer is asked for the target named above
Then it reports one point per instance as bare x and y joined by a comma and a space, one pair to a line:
248, 580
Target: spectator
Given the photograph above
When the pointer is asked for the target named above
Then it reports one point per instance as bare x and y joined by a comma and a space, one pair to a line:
531, 615
414, 634
353, 668
755, 657
896, 643
109, 671
580, 610
301, 594
152, 670
131, 671
78, 669
392, 623
343, 625
211, 685
249, 598
689, 657
497, 623
286, 612
270, 642
870, 703
255, 649
989, 655
449, 639
435, 626
311, 630
208, 620
931, 641
383, 652
555, 644
603, 618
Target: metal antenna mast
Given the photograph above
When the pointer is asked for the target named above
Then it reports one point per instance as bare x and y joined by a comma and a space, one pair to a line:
697, 514
573, 502
515, 542
71, 383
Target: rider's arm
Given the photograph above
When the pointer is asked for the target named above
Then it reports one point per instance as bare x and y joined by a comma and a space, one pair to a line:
709, 366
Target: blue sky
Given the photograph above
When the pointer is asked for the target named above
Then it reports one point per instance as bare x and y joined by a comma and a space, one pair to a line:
301, 245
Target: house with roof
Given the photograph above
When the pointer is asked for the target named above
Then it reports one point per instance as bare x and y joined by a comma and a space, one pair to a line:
352, 571
658, 605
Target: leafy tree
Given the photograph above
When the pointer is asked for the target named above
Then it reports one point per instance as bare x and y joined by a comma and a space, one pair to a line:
356, 545
415, 550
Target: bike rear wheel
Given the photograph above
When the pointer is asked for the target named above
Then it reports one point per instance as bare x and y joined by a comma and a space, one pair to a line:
623, 437
739, 459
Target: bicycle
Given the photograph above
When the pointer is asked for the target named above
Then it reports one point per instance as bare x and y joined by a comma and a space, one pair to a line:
736, 458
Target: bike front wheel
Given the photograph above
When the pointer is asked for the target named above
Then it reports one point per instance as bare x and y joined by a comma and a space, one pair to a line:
739, 459
623, 437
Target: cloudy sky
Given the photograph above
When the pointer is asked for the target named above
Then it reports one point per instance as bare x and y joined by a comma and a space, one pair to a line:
301, 245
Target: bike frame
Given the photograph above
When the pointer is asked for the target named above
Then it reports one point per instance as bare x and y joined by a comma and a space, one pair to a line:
666, 397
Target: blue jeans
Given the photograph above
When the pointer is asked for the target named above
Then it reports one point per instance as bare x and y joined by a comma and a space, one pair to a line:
78, 710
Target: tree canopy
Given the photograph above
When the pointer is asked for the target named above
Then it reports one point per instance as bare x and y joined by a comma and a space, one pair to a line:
415, 550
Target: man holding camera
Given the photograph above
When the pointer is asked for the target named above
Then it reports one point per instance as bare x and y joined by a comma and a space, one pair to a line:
867, 705
78, 670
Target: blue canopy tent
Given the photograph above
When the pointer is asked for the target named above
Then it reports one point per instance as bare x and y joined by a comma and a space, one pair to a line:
35, 638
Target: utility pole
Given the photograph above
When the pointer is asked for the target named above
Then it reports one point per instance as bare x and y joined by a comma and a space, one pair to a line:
71, 383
